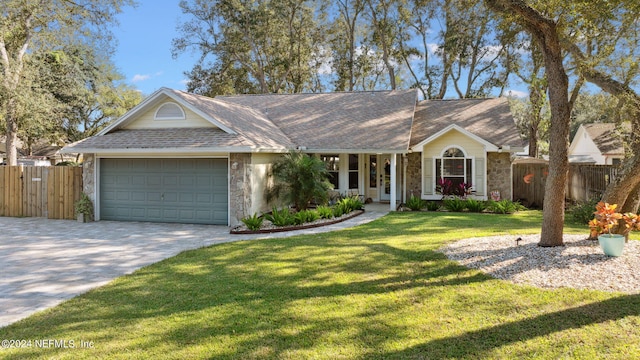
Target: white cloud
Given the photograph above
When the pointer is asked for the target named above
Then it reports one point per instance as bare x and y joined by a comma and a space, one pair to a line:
433, 48
137, 78
517, 93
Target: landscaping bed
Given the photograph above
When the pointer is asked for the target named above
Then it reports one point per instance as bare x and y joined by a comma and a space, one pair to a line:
268, 227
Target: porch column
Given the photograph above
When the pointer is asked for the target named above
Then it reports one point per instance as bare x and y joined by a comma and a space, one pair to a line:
392, 201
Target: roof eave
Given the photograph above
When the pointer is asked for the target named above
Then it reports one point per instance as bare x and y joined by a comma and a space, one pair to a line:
169, 151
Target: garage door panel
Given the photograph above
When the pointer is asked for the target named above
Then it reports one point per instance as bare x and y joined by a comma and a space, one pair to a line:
164, 190
138, 196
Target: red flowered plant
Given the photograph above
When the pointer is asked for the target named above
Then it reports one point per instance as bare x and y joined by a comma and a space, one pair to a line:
447, 188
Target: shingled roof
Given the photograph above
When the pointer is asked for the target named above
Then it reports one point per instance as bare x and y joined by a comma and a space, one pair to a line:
605, 138
356, 122
353, 121
489, 119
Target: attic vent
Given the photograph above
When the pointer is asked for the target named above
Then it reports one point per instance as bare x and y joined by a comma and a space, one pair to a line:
169, 111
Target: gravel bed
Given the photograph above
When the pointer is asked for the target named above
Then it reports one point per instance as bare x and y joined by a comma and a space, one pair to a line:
580, 264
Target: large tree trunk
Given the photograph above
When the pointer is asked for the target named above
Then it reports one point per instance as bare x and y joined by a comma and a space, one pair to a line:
633, 201
11, 143
544, 32
623, 190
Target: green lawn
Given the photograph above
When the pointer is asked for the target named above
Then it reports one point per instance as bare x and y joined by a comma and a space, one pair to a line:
375, 291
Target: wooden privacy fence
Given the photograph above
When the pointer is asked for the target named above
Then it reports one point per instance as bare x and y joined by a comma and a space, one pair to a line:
39, 191
585, 182
529, 180
588, 182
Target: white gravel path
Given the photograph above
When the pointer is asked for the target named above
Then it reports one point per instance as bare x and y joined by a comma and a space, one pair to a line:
580, 264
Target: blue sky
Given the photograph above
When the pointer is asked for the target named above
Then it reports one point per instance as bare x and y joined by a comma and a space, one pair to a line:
143, 52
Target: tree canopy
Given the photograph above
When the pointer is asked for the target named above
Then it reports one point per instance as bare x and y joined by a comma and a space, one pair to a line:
42, 64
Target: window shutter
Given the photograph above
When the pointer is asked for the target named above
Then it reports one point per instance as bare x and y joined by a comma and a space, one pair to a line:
479, 177
427, 175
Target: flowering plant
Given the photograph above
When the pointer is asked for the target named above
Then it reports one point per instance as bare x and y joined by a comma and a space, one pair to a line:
447, 188
607, 218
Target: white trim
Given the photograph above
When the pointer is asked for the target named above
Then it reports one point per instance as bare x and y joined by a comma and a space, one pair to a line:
353, 151
455, 147
434, 171
96, 176
393, 183
488, 146
150, 101
96, 189
156, 118
240, 149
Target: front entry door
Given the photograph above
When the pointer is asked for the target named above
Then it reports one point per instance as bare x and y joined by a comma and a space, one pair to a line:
385, 177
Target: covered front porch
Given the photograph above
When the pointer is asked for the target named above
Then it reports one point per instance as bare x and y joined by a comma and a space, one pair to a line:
377, 177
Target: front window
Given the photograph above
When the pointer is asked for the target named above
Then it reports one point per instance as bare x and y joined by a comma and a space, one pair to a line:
332, 163
453, 172
353, 171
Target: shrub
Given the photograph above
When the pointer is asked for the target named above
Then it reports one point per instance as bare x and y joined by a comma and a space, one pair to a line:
253, 222
67, 163
476, 205
415, 203
350, 204
505, 206
324, 212
280, 217
84, 206
448, 189
338, 211
433, 206
582, 213
455, 204
305, 216
299, 179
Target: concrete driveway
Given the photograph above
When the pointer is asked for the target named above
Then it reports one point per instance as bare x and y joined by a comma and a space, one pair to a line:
43, 262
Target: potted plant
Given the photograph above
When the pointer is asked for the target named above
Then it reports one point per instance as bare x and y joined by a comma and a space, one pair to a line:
607, 218
84, 208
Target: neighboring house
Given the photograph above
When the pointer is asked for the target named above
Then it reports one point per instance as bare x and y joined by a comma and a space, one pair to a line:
181, 157
43, 154
596, 144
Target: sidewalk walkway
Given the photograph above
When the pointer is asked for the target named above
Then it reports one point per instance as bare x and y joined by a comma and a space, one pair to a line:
45, 262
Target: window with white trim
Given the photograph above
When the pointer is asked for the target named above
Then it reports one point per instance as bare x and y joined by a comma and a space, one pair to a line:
454, 167
332, 163
169, 111
354, 182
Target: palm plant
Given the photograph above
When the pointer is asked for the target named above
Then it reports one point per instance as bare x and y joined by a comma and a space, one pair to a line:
299, 179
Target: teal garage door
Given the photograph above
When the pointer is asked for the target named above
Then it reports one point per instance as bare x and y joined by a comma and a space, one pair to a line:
164, 190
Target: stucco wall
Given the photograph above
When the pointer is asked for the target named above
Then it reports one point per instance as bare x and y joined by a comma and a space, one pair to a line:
260, 181
499, 174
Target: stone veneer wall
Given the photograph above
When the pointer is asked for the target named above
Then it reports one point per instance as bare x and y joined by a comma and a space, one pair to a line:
414, 175
88, 178
239, 187
499, 174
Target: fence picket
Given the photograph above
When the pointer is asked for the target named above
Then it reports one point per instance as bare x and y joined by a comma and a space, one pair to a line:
37, 191
585, 181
